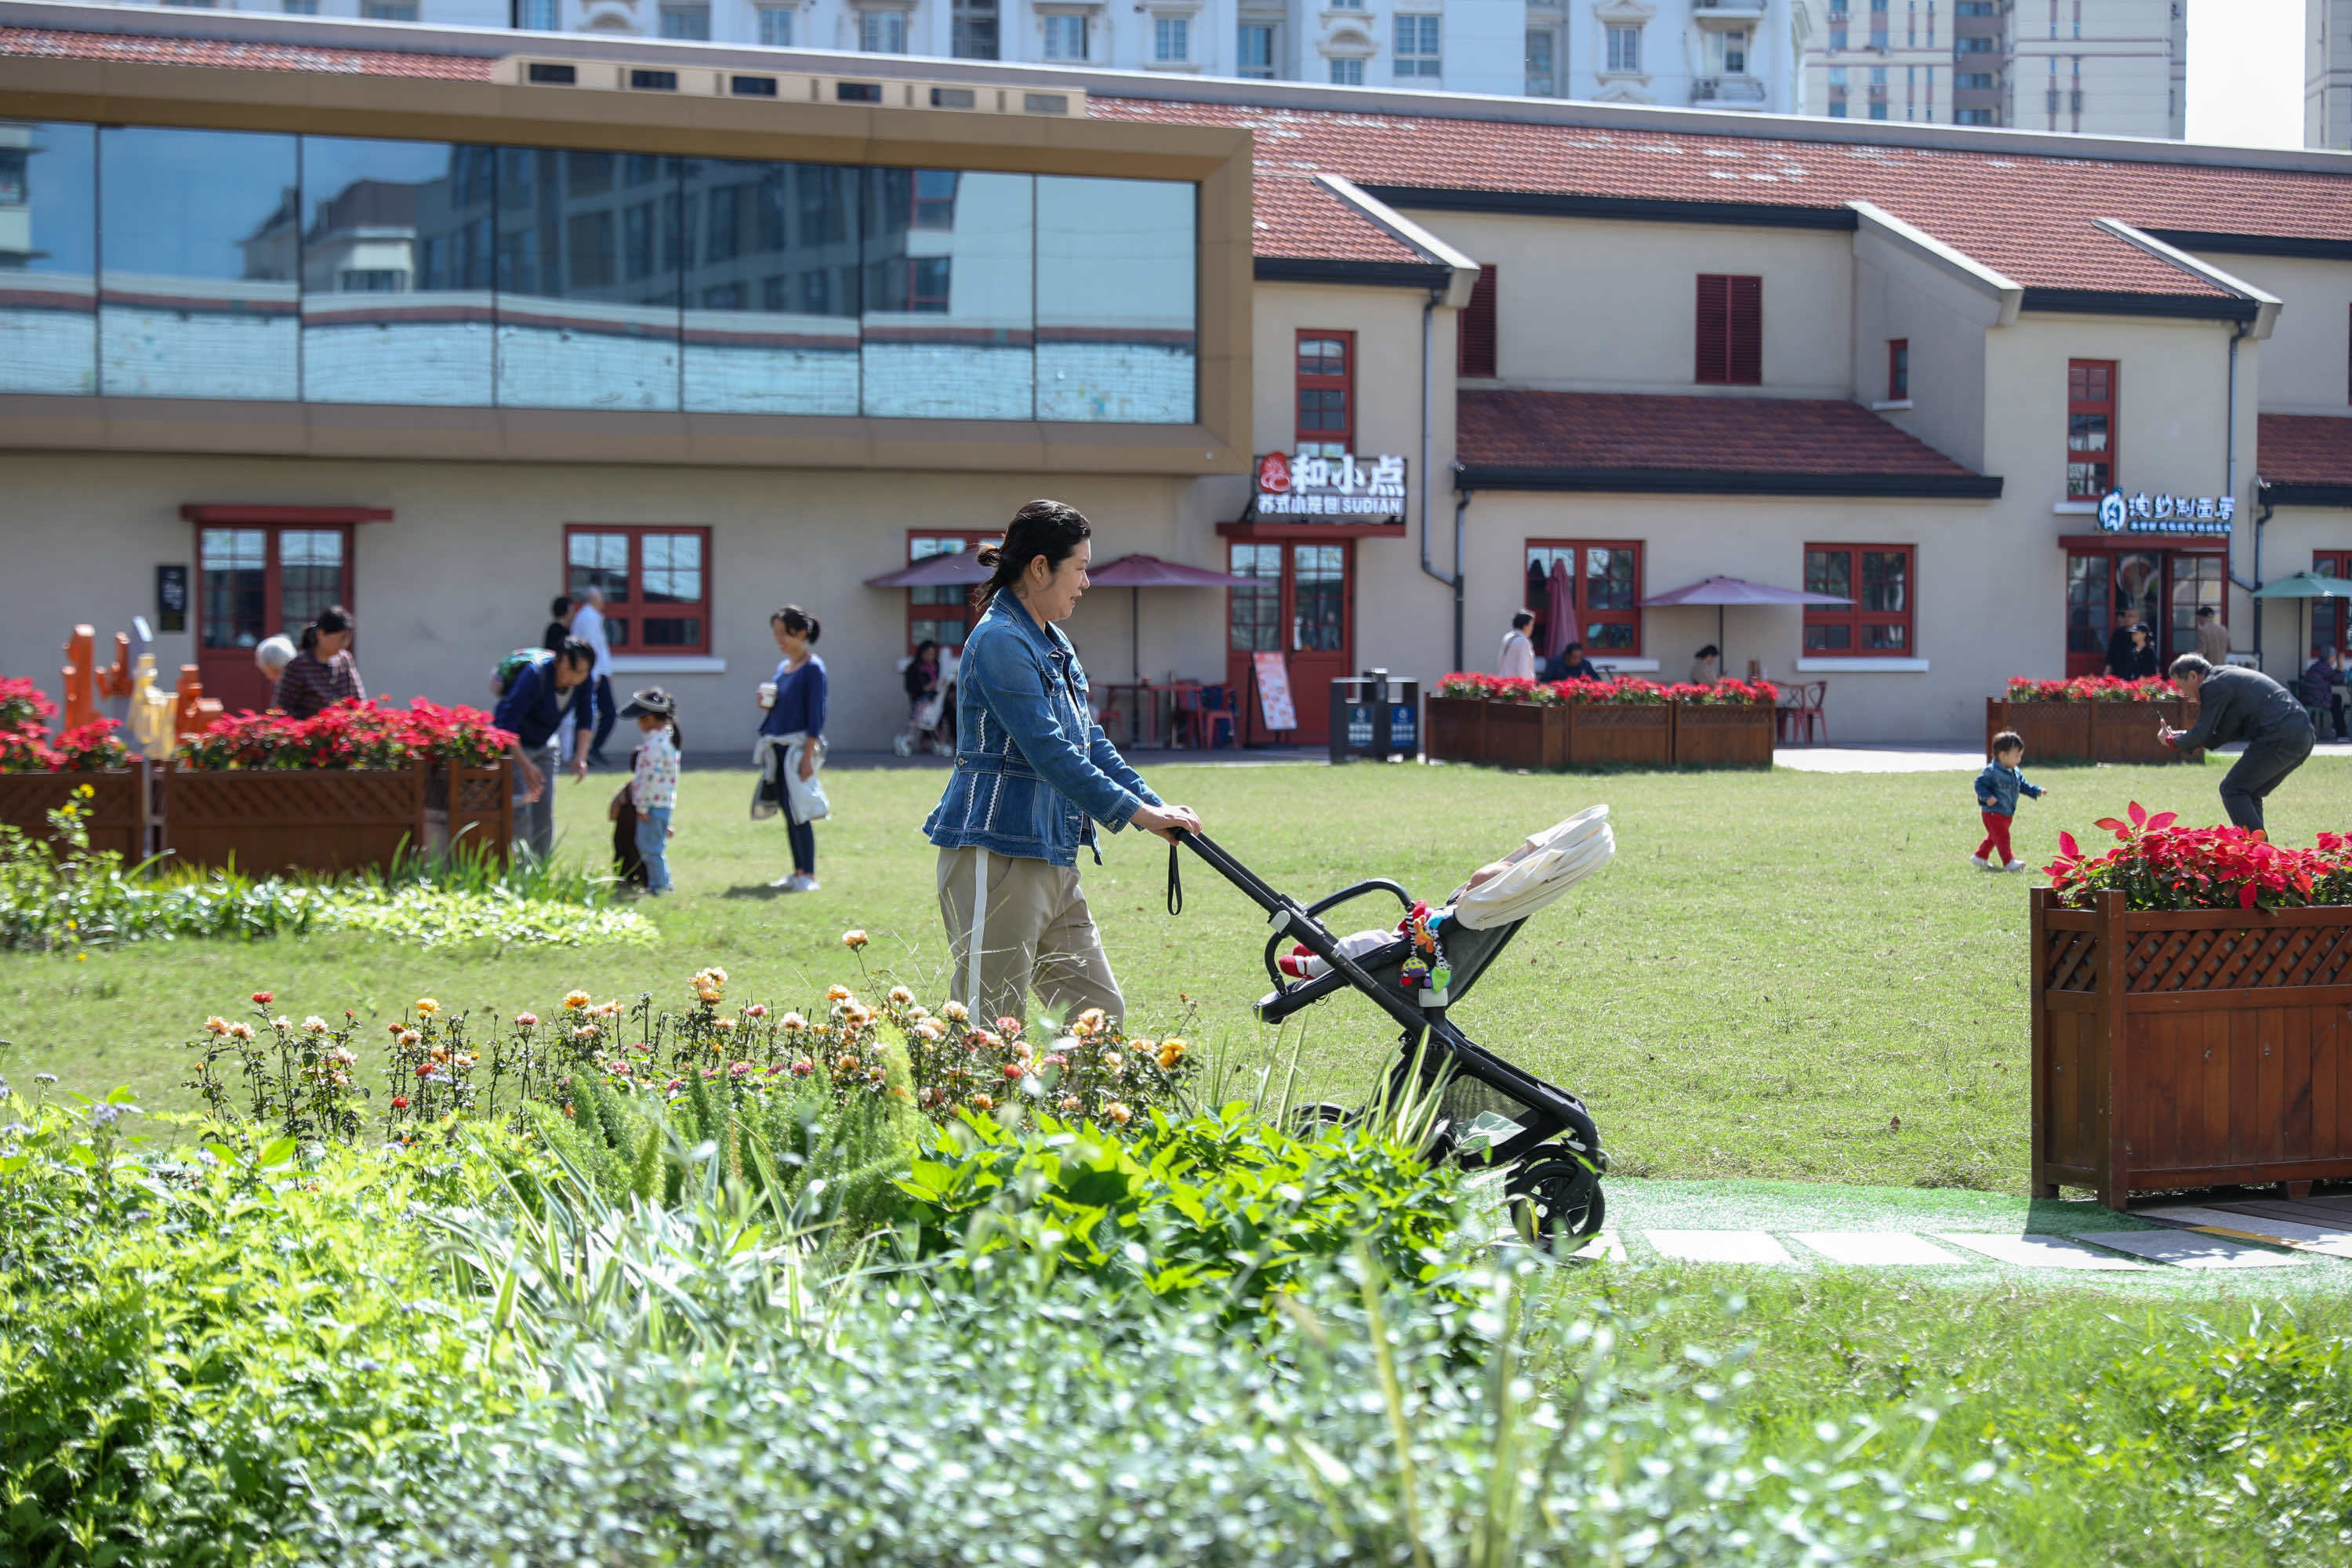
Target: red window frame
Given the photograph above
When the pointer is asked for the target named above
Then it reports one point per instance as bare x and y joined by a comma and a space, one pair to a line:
1474, 333
1858, 619
1321, 380
626, 614
1898, 370
2091, 393
2331, 614
946, 604
1730, 322
1539, 605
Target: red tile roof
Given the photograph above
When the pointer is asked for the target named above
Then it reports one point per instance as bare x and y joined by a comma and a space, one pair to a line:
51, 43
2304, 450
1288, 209
2026, 214
1634, 433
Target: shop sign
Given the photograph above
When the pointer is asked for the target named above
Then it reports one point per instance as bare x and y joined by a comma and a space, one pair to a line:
2144, 513
1347, 486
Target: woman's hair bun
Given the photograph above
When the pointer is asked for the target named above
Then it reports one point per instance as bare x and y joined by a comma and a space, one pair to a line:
988, 555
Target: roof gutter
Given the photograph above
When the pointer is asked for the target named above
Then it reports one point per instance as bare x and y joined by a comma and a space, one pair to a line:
2256, 325
1716, 482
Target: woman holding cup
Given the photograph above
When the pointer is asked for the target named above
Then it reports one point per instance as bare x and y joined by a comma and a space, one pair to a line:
793, 734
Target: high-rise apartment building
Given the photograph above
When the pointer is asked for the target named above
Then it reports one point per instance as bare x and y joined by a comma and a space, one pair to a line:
2327, 74
2107, 68
1707, 54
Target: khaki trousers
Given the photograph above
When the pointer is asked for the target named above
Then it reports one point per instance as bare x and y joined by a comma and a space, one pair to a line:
1014, 922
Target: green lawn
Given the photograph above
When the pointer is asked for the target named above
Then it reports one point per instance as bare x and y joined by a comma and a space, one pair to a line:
1788, 975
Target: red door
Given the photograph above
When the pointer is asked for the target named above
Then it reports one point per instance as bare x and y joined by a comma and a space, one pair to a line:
1302, 606
255, 580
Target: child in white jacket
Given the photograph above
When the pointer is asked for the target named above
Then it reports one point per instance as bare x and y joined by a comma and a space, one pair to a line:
653, 788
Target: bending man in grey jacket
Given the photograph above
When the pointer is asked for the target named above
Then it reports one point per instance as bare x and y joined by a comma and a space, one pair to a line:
2238, 704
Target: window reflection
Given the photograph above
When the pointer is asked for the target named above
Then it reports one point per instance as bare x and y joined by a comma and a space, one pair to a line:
588, 260
770, 317
49, 243
396, 304
199, 249
948, 295
1115, 300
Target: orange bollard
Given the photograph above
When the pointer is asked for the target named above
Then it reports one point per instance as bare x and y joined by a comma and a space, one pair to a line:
187, 718
80, 706
116, 681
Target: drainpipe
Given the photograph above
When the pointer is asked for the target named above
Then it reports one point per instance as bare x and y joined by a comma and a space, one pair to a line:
2259, 518
2230, 468
1428, 461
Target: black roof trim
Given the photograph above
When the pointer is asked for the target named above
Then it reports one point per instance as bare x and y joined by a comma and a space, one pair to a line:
2276, 494
2116, 303
1702, 481
2255, 244
1359, 274
1630, 209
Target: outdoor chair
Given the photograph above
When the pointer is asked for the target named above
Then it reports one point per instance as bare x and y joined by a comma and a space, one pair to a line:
1203, 712
1801, 720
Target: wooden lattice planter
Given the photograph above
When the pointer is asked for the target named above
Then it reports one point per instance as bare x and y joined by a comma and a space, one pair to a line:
1723, 735
2189, 1049
1642, 732
2089, 731
307, 819
471, 808
117, 812
1526, 735
1453, 729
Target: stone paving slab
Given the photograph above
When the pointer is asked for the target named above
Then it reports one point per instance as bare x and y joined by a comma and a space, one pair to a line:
2192, 1249
1718, 1246
1875, 1249
2040, 1252
2304, 1237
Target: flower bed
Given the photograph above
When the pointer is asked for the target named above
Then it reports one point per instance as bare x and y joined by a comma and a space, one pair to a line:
2190, 1024
2092, 718
38, 773
1575, 723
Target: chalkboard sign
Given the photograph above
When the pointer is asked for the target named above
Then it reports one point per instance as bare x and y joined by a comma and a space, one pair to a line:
1274, 692
170, 598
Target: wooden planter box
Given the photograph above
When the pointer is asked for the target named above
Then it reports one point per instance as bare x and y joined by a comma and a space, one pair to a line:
1640, 732
2189, 1049
1453, 729
471, 809
309, 819
1524, 735
2089, 731
1712, 735
117, 814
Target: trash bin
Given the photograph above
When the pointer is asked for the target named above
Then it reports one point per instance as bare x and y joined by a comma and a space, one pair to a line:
1375, 715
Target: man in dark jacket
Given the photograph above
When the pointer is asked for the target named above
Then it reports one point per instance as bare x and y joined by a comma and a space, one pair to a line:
536, 698
2123, 649
2238, 704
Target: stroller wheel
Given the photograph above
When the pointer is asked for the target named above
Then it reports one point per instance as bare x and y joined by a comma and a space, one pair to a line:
1555, 1200
1310, 1119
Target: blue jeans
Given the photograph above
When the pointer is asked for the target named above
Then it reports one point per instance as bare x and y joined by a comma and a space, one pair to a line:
653, 845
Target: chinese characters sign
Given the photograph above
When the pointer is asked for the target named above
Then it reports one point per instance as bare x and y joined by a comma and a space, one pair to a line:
2144, 513
1347, 486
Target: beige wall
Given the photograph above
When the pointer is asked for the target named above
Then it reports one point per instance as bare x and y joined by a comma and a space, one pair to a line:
1899, 294
1589, 305
2290, 537
2304, 362
464, 573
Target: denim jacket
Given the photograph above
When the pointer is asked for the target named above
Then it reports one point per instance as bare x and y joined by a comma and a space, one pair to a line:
1033, 771
1998, 788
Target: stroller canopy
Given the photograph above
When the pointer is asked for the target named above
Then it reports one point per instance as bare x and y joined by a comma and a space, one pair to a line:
1538, 871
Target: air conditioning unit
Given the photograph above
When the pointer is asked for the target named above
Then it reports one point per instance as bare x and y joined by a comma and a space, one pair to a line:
787, 87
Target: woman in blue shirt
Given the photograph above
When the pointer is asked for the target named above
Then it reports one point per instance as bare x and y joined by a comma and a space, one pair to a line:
796, 704
1034, 775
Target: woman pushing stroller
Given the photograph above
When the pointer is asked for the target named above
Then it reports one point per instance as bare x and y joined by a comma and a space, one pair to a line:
1034, 776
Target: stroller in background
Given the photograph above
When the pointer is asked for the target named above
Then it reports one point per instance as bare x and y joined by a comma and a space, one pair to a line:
1491, 1115
930, 727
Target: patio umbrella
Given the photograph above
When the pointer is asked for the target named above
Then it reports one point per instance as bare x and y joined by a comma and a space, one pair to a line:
1559, 611
1137, 572
2306, 586
1724, 590
955, 568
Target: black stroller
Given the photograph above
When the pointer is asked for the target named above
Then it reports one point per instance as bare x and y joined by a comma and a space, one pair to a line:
1490, 1113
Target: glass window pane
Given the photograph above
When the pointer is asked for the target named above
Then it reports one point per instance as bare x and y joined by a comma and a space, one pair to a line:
48, 257
1829, 572
1607, 579
673, 631
1115, 300
946, 318
673, 569
234, 563
765, 330
197, 269
1883, 581
310, 575
599, 561
1608, 634
588, 281
396, 304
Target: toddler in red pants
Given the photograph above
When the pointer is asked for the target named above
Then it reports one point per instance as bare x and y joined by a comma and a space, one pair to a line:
1998, 788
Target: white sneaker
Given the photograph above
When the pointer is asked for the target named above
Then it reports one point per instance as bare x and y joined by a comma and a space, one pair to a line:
902, 745
1980, 863
788, 882
804, 883
2014, 866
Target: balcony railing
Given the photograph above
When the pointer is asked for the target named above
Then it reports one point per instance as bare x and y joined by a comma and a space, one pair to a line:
1734, 7
1729, 91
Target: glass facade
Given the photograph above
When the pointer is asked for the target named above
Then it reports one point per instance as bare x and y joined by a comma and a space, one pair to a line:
146, 262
